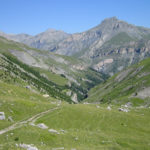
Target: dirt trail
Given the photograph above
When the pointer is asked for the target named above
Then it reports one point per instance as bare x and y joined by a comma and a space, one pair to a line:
31, 120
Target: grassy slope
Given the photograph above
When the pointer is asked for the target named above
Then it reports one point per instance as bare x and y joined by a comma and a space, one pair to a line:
53, 77
6, 45
20, 103
54, 61
119, 39
14, 71
119, 90
87, 128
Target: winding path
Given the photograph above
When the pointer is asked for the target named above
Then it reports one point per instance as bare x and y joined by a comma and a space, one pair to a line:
31, 120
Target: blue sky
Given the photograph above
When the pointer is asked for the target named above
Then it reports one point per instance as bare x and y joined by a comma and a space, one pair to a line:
35, 16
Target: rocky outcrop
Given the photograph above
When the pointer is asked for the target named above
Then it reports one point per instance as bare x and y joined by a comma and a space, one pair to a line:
79, 67
74, 98
102, 64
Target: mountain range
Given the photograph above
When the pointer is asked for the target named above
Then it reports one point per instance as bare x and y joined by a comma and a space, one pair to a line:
109, 47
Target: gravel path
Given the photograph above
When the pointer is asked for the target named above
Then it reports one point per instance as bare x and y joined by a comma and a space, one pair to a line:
31, 120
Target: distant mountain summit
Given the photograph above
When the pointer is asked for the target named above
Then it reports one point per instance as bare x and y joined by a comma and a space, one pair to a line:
45, 40
109, 47
16, 37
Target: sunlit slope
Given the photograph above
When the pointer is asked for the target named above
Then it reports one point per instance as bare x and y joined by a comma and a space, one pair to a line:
85, 127
60, 72
19, 103
131, 85
15, 72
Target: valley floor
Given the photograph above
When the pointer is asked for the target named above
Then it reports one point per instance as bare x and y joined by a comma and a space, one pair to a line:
81, 127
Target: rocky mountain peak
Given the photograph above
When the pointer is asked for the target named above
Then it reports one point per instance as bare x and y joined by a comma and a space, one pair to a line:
111, 19
112, 24
51, 30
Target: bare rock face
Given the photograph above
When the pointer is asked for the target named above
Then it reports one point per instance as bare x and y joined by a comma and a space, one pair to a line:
102, 64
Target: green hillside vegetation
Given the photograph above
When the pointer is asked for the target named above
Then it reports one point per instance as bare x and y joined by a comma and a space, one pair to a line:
58, 79
20, 103
125, 86
45, 80
11, 70
87, 79
85, 127
9, 45
119, 39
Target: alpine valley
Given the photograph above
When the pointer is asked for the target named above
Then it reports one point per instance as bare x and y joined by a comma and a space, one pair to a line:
82, 91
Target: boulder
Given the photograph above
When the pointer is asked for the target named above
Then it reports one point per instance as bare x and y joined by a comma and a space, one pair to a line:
53, 131
108, 108
2, 116
42, 126
123, 109
59, 148
45, 95
28, 147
